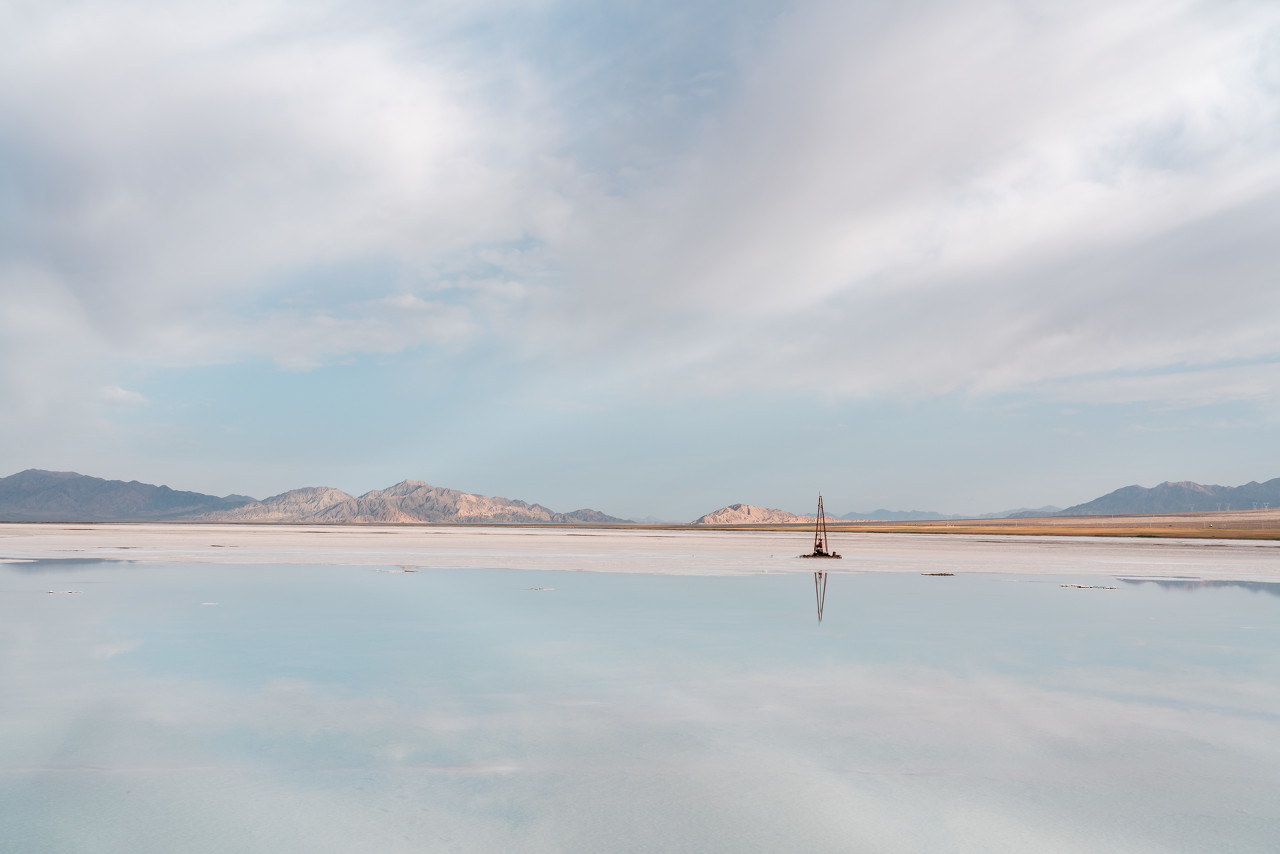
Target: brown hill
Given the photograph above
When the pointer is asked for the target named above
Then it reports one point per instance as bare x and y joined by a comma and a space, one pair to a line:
407, 501
45, 496
747, 514
309, 504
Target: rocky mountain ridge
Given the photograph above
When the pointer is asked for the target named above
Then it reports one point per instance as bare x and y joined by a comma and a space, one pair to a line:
1167, 497
35, 495
407, 501
42, 496
1181, 497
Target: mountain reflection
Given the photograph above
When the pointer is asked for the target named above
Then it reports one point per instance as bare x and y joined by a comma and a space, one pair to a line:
1189, 584
66, 564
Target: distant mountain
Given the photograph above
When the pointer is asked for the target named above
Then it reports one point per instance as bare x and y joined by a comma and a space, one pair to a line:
587, 516
1183, 497
930, 516
62, 496
747, 514
896, 516
309, 504
1027, 513
407, 501
40, 496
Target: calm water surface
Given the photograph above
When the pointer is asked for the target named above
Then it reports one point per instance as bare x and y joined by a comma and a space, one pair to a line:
195, 707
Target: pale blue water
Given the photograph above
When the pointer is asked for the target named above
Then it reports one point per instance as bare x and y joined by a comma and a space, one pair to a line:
323, 708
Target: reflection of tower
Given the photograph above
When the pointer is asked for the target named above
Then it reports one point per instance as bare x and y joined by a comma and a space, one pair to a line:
820, 591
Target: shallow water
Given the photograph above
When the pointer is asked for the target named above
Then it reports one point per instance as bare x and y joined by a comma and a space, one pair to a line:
281, 708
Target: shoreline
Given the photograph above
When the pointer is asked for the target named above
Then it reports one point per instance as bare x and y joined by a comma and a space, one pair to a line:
688, 550
1219, 525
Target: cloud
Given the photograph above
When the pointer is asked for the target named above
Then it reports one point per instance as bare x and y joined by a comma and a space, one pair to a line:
170, 170
115, 394
111, 650
978, 198
47, 344
984, 198
1189, 387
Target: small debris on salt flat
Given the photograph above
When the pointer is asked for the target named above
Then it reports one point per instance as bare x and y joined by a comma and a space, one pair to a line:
539, 588
396, 571
937, 573
1088, 586
66, 591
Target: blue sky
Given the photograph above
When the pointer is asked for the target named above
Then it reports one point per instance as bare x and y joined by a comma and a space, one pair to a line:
648, 258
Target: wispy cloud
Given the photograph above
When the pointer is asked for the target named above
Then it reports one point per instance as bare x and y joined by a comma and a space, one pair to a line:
978, 198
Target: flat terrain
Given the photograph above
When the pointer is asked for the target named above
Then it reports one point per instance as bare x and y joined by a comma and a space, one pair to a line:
683, 551
1229, 525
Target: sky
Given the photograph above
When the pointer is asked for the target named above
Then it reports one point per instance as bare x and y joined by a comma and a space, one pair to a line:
649, 258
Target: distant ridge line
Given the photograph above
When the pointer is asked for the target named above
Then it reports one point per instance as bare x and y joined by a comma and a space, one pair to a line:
1165, 498
1181, 497
36, 495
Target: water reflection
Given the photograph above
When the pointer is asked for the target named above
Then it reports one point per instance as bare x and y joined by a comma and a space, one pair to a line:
324, 709
820, 591
62, 564
1189, 584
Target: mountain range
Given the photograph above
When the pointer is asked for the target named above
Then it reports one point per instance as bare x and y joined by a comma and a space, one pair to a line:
1168, 497
883, 515
46, 496
407, 501
62, 496
1182, 497
749, 514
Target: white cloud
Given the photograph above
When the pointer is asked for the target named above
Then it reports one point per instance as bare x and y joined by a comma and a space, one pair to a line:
111, 650
46, 343
1201, 387
118, 395
175, 165
981, 197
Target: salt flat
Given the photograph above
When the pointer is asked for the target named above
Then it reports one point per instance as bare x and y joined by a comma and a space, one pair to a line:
664, 552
